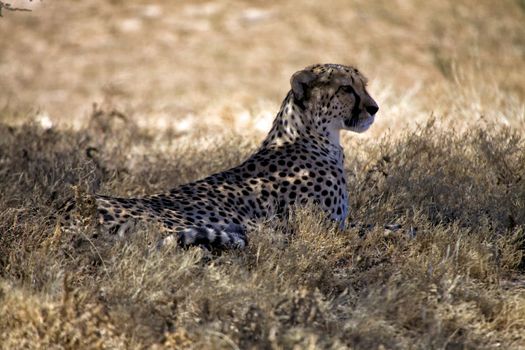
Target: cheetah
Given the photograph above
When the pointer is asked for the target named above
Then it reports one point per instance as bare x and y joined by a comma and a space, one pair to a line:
300, 161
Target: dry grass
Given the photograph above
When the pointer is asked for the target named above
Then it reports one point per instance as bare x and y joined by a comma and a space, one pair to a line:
446, 160
455, 284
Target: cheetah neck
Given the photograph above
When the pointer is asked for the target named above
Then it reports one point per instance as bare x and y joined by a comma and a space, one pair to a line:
291, 125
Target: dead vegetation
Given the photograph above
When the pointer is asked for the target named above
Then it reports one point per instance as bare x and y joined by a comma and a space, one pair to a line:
446, 160
456, 283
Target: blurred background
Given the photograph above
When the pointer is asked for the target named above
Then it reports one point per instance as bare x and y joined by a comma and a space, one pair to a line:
225, 65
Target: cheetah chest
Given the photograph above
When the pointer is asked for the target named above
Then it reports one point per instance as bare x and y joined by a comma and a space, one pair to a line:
305, 178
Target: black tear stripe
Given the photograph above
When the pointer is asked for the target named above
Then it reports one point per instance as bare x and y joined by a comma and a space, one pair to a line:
355, 110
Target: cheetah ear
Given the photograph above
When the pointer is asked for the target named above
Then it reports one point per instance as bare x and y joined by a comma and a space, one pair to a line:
300, 82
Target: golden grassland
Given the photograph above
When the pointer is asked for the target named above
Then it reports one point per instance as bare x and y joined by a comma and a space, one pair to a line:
187, 88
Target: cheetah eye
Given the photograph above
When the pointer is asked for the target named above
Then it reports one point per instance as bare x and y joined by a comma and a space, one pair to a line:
348, 88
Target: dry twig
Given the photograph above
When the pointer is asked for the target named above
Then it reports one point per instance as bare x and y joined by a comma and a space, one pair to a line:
8, 7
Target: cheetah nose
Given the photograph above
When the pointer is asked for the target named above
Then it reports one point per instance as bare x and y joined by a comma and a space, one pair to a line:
372, 109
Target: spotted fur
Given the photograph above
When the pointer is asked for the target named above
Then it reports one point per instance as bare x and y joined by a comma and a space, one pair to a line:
300, 161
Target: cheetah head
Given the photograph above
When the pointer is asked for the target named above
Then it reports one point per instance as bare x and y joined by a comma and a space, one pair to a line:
335, 97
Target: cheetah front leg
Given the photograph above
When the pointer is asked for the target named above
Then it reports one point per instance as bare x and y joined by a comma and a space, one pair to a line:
229, 237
